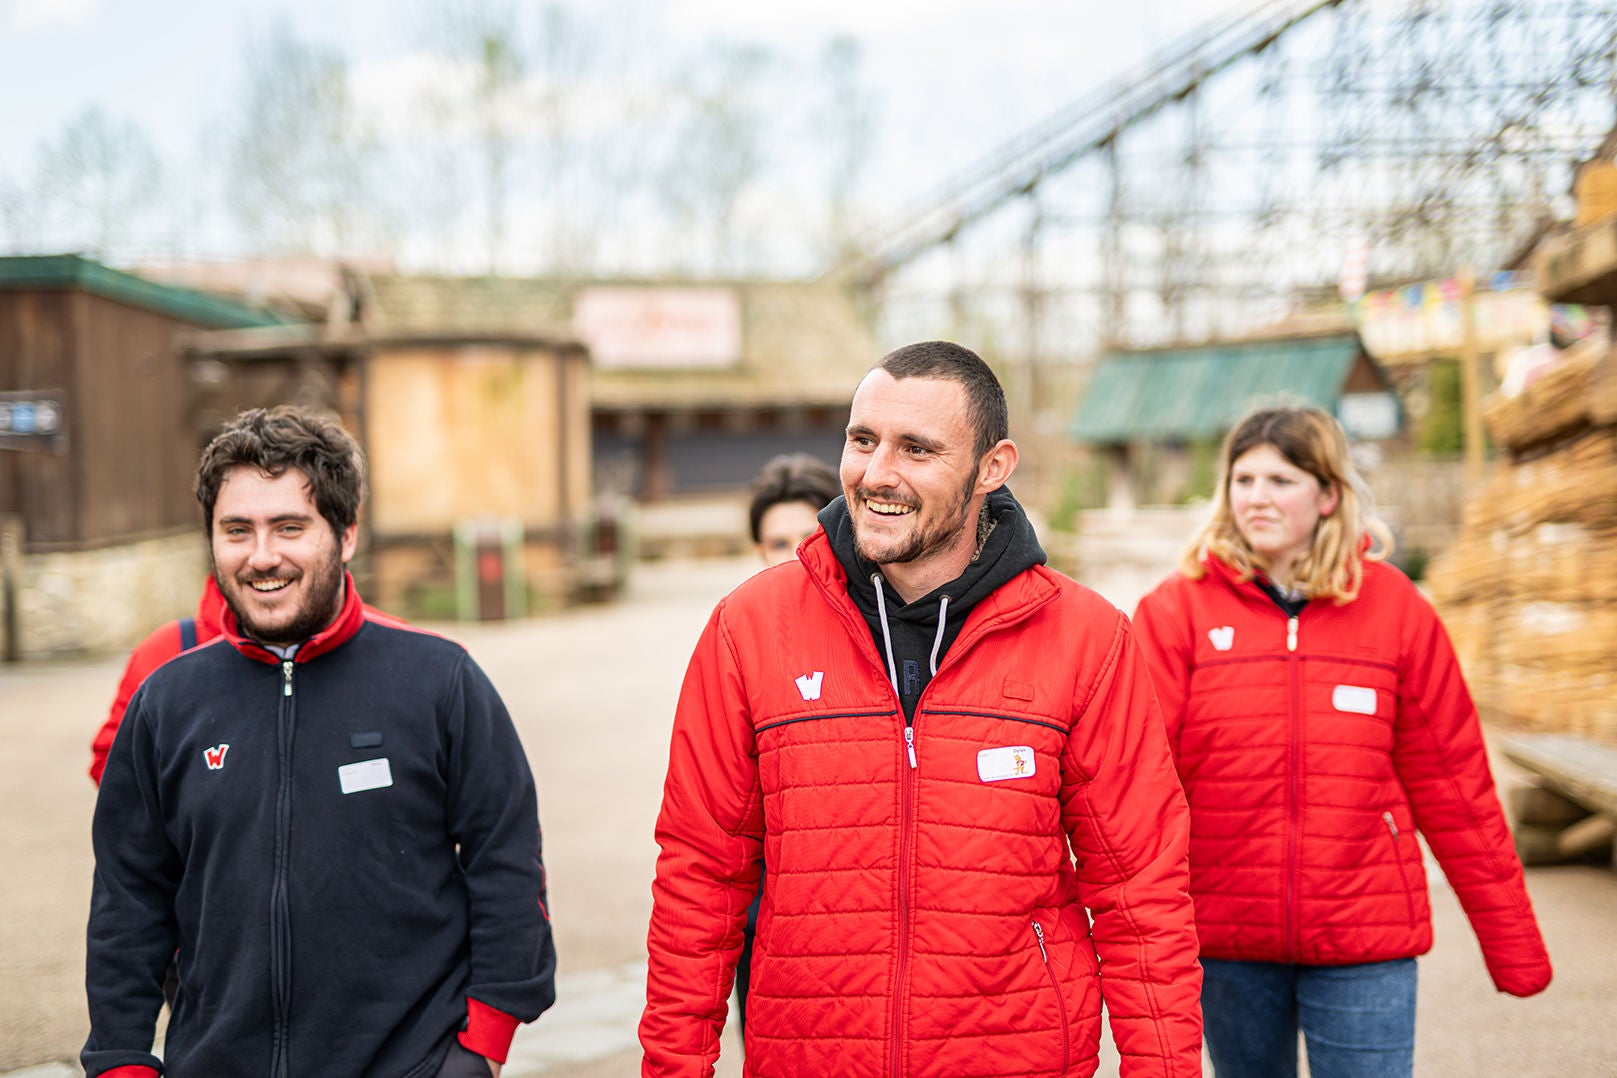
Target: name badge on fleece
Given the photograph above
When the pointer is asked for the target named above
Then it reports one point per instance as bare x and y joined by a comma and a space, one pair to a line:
365, 775
1011, 762
1354, 698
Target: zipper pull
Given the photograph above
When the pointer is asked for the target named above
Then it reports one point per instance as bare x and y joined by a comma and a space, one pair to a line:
1391, 825
909, 743
1038, 930
1291, 633
286, 677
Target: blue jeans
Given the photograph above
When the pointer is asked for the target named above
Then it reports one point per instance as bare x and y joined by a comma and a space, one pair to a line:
1358, 1021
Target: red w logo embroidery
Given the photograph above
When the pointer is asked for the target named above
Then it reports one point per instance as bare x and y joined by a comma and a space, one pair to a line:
215, 756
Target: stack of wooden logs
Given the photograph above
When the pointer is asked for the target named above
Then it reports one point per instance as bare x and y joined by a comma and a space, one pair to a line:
1529, 588
1528, 591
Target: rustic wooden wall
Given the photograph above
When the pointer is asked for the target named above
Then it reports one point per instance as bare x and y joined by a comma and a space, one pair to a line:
127, 474
135, 451
465, 431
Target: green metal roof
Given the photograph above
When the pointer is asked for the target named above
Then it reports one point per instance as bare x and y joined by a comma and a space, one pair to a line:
36, 272
1192, 394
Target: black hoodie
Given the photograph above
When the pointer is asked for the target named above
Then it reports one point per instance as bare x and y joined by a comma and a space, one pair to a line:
912, 644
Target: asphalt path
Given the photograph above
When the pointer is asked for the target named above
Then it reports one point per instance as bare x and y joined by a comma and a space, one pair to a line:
592, 691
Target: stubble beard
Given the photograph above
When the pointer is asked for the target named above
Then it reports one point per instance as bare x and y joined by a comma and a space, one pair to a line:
323, 599
922, 543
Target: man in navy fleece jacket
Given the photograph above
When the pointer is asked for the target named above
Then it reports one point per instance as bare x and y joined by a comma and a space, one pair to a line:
327, 813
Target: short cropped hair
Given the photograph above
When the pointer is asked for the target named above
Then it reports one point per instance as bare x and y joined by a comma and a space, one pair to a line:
985, 397
791, 477
288, 436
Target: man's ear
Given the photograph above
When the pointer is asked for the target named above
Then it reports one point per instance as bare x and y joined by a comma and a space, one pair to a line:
350, 542
995, 469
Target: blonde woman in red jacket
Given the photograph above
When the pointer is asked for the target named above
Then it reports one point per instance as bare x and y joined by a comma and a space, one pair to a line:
1318, 718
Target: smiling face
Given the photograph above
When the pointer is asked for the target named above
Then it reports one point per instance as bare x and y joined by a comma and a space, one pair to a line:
1276, 507
912, 480
278, 562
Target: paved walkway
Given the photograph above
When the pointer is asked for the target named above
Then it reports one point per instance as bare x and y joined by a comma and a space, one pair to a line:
592, 691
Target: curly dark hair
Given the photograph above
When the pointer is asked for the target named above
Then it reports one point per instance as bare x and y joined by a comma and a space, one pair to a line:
288, 436
791, 477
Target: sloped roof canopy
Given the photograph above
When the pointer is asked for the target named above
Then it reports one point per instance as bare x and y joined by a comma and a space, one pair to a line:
51, 272
1194, 394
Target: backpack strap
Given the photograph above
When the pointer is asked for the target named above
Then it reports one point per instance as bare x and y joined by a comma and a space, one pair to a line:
188, 633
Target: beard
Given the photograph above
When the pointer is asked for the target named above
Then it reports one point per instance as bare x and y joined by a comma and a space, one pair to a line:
322, 597
925, 539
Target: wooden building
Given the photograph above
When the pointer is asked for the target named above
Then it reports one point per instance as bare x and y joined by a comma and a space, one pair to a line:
695, 383
98, 525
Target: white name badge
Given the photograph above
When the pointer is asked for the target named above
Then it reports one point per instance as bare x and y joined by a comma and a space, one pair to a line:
1354, 698
1011, 762
365, 775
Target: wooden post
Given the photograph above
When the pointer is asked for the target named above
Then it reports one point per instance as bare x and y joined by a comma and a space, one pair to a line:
10, 587
1470, 382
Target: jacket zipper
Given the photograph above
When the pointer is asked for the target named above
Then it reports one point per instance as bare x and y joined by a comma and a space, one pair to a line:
860, 630
1061, 1003
1398, 861
1293, 809
907, 824
280, 905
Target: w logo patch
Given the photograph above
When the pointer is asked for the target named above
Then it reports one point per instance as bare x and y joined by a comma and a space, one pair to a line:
215, 757
809, 684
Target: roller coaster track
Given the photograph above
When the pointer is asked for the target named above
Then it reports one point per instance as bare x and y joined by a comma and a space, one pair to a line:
1087, 125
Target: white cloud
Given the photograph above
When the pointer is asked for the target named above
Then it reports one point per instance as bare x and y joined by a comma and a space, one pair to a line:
22, 16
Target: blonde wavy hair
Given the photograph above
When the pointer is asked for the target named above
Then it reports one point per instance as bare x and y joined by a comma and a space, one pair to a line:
1310, 439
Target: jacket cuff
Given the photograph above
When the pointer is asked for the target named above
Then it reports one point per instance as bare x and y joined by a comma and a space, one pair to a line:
488, 1032
131, 1072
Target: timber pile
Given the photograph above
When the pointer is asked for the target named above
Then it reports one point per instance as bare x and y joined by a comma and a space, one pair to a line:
1529, 589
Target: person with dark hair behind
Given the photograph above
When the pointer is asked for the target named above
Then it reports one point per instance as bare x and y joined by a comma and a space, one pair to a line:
1318, 719
327, 813
787, 497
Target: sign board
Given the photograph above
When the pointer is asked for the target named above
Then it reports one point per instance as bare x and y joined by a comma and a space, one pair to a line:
665, 329
33, 420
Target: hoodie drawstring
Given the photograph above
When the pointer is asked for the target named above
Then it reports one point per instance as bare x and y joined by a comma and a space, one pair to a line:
886, 634
937, 642
892, 664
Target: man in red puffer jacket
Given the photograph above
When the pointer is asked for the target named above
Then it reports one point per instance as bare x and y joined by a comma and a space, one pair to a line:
952, 760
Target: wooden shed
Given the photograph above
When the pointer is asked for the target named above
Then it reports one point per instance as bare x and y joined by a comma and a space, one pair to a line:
98, 526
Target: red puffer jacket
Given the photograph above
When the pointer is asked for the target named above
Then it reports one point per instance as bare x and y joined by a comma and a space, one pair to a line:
1311, 749
921, 919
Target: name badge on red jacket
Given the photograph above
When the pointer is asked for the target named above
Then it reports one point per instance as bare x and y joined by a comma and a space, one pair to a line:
1011, 762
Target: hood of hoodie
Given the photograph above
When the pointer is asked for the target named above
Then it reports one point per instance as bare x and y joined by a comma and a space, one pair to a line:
911, 641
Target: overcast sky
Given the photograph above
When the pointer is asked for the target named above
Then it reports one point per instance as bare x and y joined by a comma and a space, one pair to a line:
950, 78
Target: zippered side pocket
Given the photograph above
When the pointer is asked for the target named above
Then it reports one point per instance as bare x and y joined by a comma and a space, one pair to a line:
1398, 860
1061, 1000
